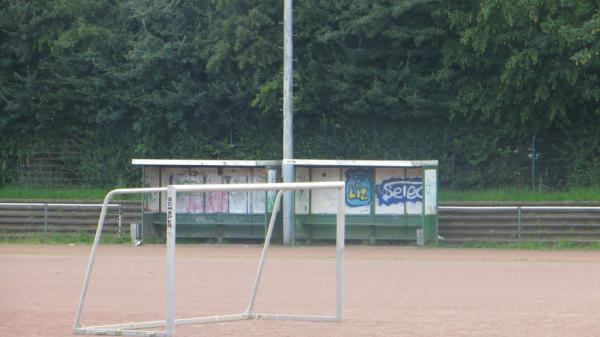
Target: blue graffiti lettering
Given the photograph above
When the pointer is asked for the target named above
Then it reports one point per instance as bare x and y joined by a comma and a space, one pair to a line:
398, 190
358, 187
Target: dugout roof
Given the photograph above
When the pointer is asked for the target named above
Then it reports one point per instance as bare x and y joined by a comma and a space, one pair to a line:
202, 162
361, 163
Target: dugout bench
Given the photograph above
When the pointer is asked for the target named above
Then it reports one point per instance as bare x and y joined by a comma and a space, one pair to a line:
385, 200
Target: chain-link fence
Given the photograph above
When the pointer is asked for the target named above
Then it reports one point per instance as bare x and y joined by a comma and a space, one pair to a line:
545, 171
54, 164
49, 165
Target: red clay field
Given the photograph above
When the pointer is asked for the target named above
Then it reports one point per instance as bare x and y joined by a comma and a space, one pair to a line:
389, 291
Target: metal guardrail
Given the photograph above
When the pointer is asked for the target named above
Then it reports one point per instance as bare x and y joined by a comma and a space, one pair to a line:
46, 206
532, 208
518, 210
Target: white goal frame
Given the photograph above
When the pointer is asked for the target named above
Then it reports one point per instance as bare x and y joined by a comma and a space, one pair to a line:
132, 329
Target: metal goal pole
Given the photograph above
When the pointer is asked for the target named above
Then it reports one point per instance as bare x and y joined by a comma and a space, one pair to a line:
263, 255
339, 254
128, 329
88, 272
171, 236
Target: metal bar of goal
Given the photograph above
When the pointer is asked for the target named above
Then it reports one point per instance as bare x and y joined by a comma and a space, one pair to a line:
130, 329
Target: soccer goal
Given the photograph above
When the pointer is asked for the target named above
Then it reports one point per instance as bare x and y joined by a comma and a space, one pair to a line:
135, 328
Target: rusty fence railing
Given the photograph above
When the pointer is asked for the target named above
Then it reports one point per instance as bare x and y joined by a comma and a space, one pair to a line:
515, 223
14, 218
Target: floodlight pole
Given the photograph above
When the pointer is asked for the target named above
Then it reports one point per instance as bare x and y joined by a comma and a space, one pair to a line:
288, 126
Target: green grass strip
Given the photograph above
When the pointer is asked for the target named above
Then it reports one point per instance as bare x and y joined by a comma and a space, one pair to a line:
60, 193
523, 245
496, 194
61, 239
520, 194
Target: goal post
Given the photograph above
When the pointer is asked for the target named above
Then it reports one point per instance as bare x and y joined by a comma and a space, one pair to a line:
132, 329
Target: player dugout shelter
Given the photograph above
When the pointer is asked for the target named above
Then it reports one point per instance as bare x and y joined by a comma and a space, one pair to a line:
385, 200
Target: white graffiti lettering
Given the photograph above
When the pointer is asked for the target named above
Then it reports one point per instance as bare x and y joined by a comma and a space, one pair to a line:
394, 191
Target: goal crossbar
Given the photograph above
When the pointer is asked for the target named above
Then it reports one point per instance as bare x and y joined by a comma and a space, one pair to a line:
131, 329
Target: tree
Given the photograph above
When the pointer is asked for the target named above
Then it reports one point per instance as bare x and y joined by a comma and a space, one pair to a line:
366, 73
524, 65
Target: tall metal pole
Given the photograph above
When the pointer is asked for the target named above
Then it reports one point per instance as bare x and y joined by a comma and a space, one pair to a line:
288, 126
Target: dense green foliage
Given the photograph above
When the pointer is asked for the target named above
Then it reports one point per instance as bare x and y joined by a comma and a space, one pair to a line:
471, 83
529, 69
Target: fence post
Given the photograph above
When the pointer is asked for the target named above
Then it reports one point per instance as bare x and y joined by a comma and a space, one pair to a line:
120, 218
45, 221
519, 221
533, 162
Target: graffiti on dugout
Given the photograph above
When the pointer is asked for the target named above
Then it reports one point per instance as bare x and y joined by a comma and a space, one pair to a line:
400, 190
358, 187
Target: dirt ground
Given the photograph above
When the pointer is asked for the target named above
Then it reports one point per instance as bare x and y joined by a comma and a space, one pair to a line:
390, 291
